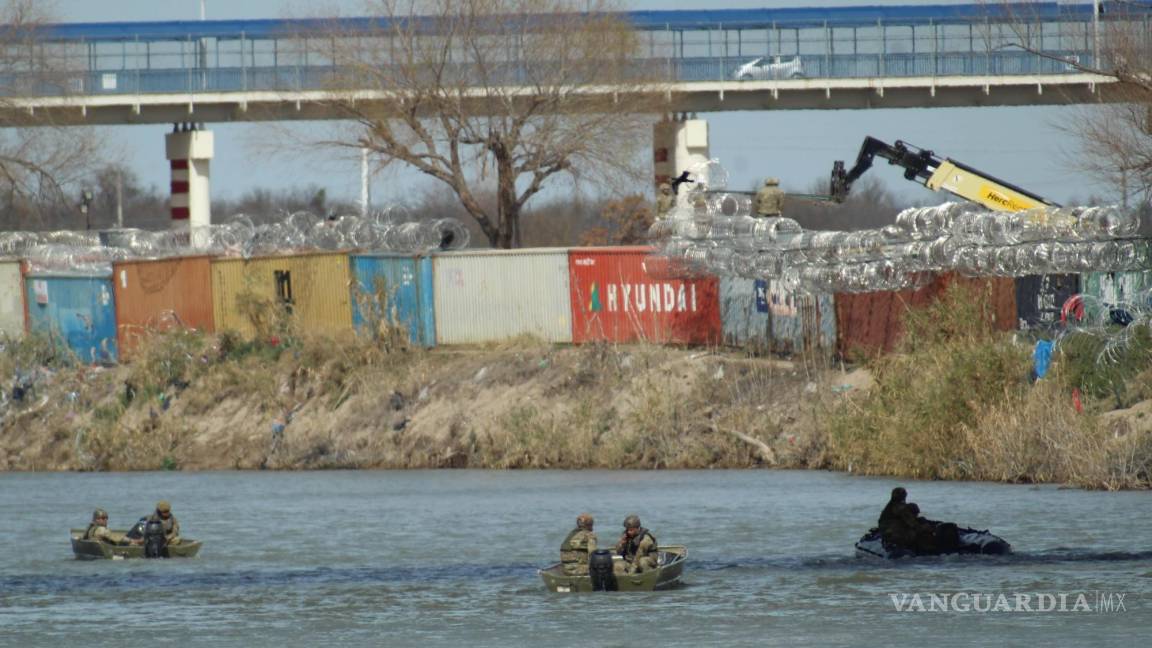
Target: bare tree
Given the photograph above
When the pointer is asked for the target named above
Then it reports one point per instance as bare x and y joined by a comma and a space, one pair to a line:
498, 96
1114, 137
37, 158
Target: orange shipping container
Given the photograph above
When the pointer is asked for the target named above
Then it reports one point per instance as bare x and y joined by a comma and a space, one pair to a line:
158, 295
616, 299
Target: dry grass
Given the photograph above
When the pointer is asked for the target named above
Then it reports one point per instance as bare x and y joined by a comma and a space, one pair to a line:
956, 403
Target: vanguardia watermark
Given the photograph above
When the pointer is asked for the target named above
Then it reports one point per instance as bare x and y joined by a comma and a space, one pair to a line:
1093, 602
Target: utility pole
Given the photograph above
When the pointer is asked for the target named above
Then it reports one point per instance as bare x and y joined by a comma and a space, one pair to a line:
119, 198
1096, 35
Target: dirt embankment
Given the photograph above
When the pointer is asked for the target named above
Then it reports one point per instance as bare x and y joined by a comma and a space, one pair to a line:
200, 403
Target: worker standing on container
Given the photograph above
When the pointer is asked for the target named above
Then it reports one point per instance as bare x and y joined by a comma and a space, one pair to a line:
770, 199
665, 200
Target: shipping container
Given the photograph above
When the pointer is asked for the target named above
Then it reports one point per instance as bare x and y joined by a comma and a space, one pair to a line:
764, 316
314, 289
1117, 290
76, 310
1040, 298
493, 295
616, 299
157, 295
872, 322
12, 311
394, 290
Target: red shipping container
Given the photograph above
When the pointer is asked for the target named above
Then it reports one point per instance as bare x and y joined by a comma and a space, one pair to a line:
616, 298
871, 322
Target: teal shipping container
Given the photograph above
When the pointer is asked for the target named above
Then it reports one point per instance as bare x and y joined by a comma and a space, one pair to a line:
763, 315
77, 310
1117, 289
394, 290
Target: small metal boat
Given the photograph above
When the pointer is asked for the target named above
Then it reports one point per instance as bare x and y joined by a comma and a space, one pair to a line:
670, 565
96, 550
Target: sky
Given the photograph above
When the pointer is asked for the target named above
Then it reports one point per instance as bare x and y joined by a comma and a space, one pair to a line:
798, 147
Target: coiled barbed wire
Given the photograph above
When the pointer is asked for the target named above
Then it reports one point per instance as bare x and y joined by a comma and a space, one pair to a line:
94, 252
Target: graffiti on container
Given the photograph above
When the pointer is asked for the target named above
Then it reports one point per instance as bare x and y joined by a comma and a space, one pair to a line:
642, 297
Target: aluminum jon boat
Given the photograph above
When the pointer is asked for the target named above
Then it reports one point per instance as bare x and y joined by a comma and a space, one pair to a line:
670, 565
96, 550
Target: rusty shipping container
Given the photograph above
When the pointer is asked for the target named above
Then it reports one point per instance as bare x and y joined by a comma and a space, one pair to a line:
616, 299
871, 322
157, 295
492, 295
763, 315
12, 311
314, 288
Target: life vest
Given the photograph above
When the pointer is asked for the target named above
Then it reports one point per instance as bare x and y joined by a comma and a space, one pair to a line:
570, 553
88, 532
633, 545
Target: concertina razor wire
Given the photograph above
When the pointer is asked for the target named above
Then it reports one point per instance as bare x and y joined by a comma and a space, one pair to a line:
93, 252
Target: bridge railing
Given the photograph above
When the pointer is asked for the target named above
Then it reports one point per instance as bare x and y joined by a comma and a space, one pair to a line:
300, 78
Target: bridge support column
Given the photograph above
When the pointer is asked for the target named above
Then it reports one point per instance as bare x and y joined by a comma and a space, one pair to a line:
189, 153
679, 144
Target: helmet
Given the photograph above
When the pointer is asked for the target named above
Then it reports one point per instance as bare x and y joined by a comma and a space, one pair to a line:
163, 506
899, 494
632, 522
99, 513
584, 521
771, 182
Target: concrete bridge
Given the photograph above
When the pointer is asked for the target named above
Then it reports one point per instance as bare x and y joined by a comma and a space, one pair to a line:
809, 58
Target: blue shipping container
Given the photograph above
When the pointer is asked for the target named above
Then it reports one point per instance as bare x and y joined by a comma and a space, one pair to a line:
77, 310
405, 281
763, 315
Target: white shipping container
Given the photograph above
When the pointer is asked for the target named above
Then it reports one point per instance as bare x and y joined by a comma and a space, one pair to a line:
11, 300
493, 295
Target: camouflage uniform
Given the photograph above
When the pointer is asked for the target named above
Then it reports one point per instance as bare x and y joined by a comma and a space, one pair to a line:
770, 199
97, 531
665, 200
639, 551
171, 526
574, 551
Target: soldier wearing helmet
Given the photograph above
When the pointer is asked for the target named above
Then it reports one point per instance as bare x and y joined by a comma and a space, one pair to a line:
770, 199
665, 200
98, 530
579, 544
164, 515
637, 546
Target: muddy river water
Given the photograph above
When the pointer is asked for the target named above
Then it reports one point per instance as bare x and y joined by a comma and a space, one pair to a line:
434, 558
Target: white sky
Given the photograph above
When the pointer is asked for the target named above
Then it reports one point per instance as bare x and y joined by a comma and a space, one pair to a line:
796, 146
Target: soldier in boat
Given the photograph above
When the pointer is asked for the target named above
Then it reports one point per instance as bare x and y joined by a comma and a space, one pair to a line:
579, 544
637, 546
98, 530
163, 515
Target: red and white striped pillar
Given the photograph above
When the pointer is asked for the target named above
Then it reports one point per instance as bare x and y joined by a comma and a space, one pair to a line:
190, 155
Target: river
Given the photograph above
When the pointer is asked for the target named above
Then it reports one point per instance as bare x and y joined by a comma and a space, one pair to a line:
434, 558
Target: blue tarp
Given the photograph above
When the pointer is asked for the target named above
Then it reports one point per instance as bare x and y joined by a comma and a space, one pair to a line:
1042, 357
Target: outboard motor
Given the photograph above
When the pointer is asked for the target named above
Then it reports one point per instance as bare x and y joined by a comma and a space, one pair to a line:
155, 542
600, 569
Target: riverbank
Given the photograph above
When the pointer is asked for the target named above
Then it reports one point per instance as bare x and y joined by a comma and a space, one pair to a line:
191, 402
955, 402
